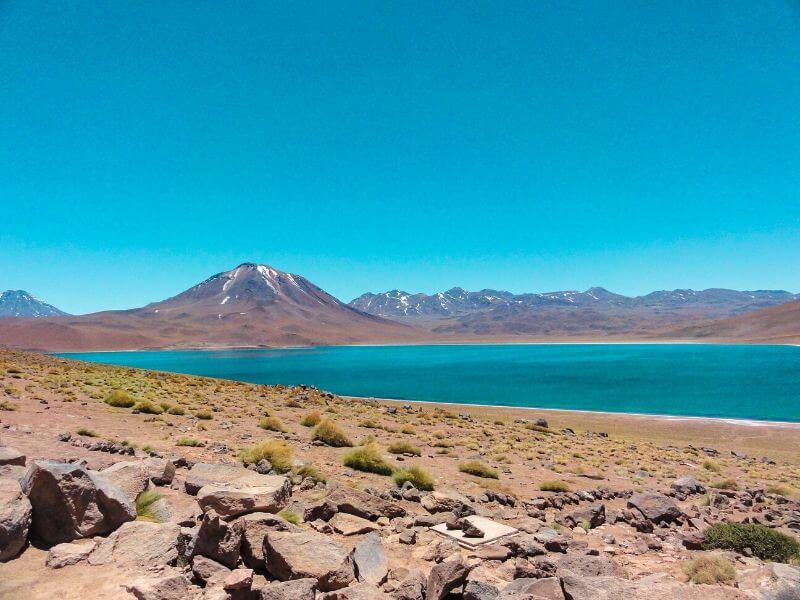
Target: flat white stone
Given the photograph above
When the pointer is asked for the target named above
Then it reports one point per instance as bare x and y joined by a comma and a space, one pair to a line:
492, 530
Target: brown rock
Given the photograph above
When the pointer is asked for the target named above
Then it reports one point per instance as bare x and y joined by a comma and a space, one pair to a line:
169, 587
15, 519
445, 577
139, 543
369, 558
160, 470
11, 456
254, 528
362, 504
203, 474
291, 555
232, 500
347, 524
412, 587
69, 502
131, 477
655, 507
63, 555
297, 589
218, 540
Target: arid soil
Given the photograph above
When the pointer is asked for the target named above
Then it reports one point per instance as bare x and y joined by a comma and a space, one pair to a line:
542, 472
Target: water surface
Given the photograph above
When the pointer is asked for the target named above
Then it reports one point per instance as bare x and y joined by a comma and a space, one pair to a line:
732, 381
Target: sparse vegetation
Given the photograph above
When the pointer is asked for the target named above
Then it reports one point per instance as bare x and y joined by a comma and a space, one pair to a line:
86, 432
404, 448
725, 484
331, 434
368, 459
305, 471
291, 517
765, 543
272, 424
147, 407
277, 452
187, 441
204, 415
479, 469
418, 476
312, 419
120, 399
144, 505
554, 486
7, 405
710, 570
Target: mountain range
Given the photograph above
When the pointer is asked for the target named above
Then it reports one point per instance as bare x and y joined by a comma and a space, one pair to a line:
18, 303
257, 305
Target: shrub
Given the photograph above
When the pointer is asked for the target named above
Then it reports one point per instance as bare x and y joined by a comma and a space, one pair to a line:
404, 448
312, 419
278, 453
710, 570
418, 476
291, 517
144, 506
120, 399
368, 459
710, 465
766, 543
479, 469
272, 424
553, 486
304, 471
7, 405
725, 484
147, 407
204, 415
780, 489
87, 432
329, 433
187, 441
176, 410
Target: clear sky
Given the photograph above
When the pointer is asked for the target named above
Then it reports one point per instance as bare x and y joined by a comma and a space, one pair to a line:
528, 146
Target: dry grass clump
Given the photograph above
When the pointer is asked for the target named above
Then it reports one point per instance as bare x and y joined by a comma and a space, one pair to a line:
404, 448
418, 476
204, 415
188, 441
147, 407
87, 432
710, 465
120, 399
291, 517
554, 486
278, 453
308, 471
710, 570
331, 434
144, 506
724, 484
7, 405
272, 424
368, 459
312, 419
479, 469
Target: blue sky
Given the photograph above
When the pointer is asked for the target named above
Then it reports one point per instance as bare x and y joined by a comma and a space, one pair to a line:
528, 146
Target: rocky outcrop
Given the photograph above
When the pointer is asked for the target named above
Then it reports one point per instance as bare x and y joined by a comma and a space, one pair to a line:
231, 500
69, 502
203, 474
218, 540
15, 518
296, 555
655, 507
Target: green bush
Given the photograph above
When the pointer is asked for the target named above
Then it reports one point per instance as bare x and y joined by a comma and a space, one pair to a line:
479, 469
404, 448
766, 543
329, 433
312, 419
710, 570
278, 453
553, 486
176, 410
291, 517
272, 424
120, 399
368, 459
204, 415
304, 471
144, 506
187, 441
418, 476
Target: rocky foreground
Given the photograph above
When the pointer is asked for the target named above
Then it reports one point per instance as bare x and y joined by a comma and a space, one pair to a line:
84, 515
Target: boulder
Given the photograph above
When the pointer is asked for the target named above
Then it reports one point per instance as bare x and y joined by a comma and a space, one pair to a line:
254, 528
437, 502
131, 477
160, 470
412, 587
589, 566
139, 543
655, 507
297, 555
238, 579
297, 589
15, 519
688, 485
362, 504
232, 500
592, 515
169, 587
11, 456
480, 590
663, 586
445, 577
209, 571
218, 540
69, 502
71, 553
347, 524
203, 474
548, 588
359, 591
369, 557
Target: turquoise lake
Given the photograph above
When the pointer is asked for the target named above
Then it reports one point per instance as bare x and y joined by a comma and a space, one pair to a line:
730, 381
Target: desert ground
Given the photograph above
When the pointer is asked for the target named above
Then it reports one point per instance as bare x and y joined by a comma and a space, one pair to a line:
601, 501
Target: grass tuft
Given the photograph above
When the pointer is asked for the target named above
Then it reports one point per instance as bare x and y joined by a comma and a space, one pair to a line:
368, 459
120, 399
272, 424
87, 432
418, 476
312, 419
479, 469
710, 570
553, 486
329, 433
277, 452
404, 448
144, 506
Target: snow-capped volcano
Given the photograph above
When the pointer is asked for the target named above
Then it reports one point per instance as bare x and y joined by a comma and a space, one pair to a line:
18, 303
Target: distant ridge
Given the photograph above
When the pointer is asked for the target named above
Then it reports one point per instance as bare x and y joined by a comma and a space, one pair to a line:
19, 303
